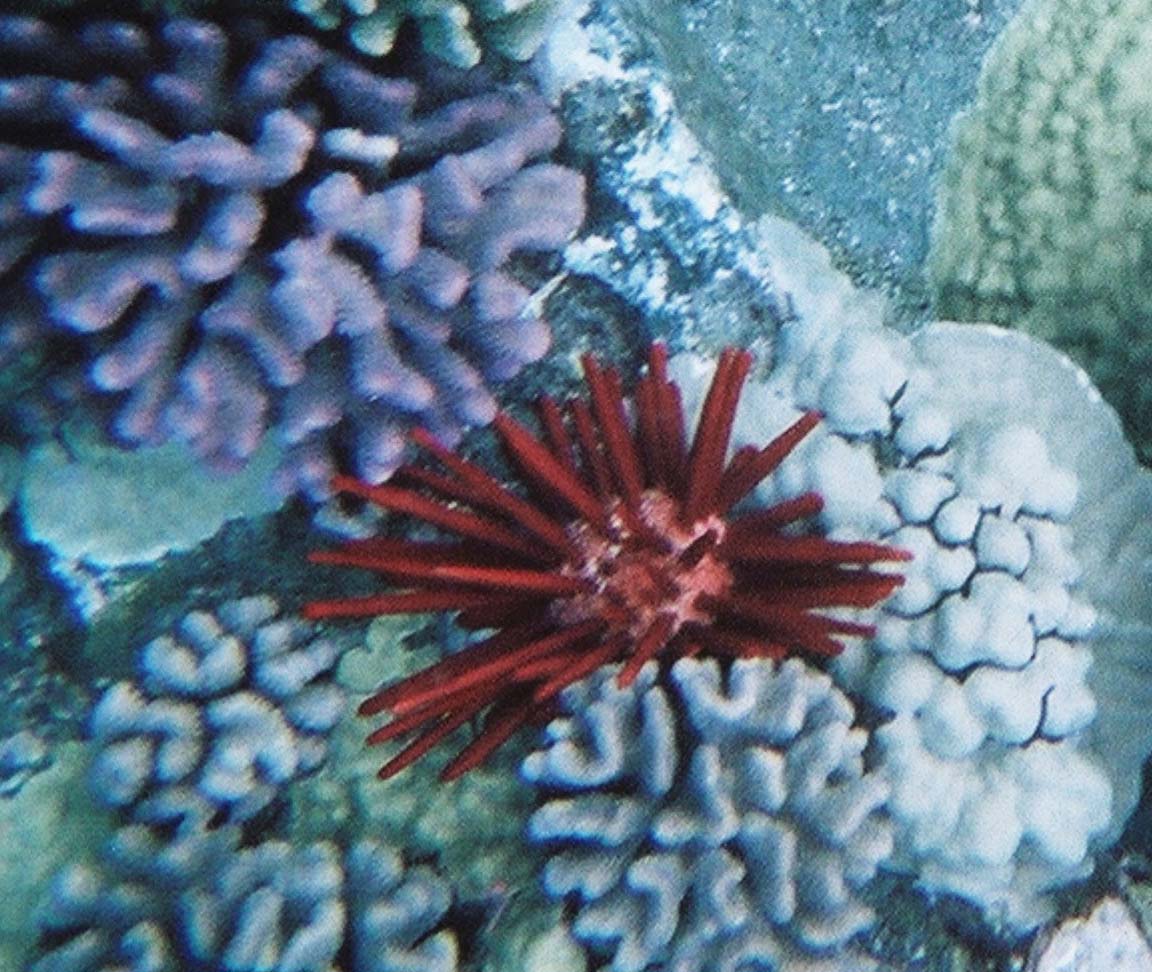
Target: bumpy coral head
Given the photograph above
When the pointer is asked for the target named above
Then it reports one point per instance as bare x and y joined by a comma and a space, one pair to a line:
622, 543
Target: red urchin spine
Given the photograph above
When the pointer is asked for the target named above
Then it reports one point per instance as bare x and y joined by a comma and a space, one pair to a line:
621, 549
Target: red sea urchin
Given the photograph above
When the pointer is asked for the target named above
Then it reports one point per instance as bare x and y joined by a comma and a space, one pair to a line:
621, 547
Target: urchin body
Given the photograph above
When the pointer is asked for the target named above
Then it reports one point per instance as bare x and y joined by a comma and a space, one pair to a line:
624, 544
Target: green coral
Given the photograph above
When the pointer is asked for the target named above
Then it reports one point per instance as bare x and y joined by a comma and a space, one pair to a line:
1044, 212
457, 31
473, 826
51, 822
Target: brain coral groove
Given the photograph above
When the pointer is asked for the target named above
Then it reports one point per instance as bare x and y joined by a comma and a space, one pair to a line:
239, 230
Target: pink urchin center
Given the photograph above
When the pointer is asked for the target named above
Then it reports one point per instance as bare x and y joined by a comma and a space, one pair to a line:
645, 568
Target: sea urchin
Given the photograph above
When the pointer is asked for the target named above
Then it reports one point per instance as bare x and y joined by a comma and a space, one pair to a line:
620, 547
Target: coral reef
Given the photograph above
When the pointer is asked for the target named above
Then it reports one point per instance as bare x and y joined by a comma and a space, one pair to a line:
459, 32
228, 709
240, 230
622, 545
296, 256
1009, 668
310, 908
1044, 211
722, 822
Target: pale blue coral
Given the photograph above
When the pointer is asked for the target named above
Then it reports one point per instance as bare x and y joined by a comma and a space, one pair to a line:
312, 908
228, 709
715, 822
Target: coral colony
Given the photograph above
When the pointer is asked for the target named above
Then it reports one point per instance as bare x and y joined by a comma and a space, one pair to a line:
266, 906
240, 232
459, 33
228, 708
710, 820
1041, 215
623, 547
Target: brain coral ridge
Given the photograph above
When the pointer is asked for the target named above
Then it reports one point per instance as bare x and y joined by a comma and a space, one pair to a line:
1044, 211
1009, 672
239, 230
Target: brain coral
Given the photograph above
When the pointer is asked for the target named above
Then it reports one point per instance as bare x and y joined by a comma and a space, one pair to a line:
1044, 214
239, 230
457, 31
1009, 675
721, 822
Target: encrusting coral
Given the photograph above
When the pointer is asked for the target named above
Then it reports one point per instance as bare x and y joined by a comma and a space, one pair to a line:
238, 230
625, 543
1044, 211
722, 821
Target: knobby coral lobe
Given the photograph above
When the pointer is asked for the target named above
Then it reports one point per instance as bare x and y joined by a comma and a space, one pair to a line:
623, 543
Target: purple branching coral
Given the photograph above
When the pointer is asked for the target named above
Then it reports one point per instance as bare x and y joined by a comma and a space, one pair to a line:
241, 231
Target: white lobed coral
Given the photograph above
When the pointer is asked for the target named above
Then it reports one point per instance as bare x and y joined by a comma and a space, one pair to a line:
1107, 940
718, 822
229, 708
1010, 670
